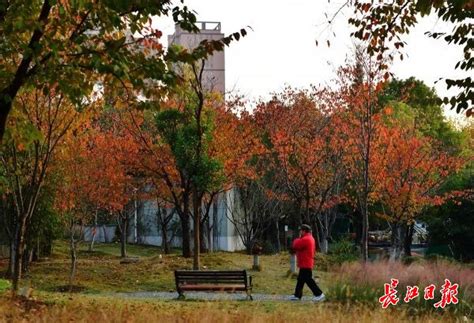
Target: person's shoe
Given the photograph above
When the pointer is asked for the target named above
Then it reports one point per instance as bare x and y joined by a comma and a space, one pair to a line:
294, 298
319, 298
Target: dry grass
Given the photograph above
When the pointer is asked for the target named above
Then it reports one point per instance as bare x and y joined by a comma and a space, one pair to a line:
98, 309
418, 273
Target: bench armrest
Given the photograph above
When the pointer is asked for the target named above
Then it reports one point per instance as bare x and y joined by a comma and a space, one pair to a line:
250, 281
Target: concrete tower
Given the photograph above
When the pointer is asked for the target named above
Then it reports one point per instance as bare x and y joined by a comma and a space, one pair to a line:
214, 67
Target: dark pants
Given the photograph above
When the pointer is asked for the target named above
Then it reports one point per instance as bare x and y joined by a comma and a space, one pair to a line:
306, 276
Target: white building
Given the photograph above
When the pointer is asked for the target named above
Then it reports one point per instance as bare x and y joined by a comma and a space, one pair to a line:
214, 67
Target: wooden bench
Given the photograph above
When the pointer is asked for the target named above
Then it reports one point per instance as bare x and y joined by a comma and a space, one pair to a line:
213, 281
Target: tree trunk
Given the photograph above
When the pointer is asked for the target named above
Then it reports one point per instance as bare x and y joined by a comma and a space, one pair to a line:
135, 221
316, 234
278, 236
364, 241
37, 253
20, 246
27, 259
323, 234
202, 238
123, 236
299, 215
306, 217
409, 239
197, 224
8, 94
186, 234
73, 253
163, 223
164, 242
94, 232
5, 107
293, 263
209, 234
356, 219
186, 241
398, 239
104, 229
324, 245
11, 263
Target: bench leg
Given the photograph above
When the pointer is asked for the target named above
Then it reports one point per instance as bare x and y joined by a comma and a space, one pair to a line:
249, 296
181, 296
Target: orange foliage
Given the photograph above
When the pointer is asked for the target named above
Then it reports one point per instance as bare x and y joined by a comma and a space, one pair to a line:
306, 147
408, 170
235, 142
97, 169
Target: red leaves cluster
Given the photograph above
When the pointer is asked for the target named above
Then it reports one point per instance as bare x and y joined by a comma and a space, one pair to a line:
305, 146
98, 169
408, 170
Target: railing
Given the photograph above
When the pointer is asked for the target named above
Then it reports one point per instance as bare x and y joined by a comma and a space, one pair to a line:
209, 25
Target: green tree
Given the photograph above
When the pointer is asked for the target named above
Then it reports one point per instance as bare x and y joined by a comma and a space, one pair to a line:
76, 44
38, 126
452, 224
187, 129
419, 104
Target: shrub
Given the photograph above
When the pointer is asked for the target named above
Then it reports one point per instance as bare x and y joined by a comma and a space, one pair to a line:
322, 262
343, 251
4, 285
268, 248
348, 292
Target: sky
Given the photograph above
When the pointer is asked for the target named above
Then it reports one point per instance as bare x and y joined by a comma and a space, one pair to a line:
280, 48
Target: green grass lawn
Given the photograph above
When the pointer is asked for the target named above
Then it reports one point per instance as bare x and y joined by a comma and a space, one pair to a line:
101, 271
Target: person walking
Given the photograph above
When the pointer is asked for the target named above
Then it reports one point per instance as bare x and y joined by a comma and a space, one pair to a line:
305, 248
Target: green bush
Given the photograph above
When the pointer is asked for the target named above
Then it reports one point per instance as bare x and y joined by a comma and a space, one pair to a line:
342, 251
347, 292
4, 285
268, 248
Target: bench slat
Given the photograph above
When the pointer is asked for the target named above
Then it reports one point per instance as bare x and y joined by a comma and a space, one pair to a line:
209, 274
209, 281
213, 280
213, 287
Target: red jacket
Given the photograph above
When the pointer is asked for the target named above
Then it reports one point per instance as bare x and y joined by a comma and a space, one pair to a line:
305, 248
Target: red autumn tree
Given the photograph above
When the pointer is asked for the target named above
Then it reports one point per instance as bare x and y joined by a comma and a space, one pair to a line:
306, 154
98, 173
408, 170
237, 145
38, 126
360, 84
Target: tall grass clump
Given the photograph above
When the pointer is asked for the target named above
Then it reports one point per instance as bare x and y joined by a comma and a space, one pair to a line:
359, 282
